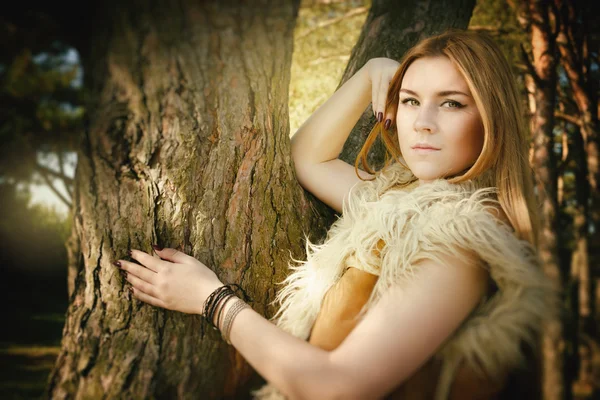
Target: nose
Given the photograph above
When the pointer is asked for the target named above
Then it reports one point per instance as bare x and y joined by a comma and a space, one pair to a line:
425, 120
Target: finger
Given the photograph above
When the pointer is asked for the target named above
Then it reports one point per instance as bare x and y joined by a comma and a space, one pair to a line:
138, 270
384, 84
173, 255
388, 121
146, 260
374, 95
142, 285
147, 298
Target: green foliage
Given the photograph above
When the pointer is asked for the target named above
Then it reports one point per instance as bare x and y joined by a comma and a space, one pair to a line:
500, 20
41, 107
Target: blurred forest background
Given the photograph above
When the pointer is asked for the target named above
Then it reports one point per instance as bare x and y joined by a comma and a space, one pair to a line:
42, 115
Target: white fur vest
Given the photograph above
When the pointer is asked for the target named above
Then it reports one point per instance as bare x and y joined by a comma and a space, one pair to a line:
416, 222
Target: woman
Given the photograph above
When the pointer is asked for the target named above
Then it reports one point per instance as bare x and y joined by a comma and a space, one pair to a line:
429, 283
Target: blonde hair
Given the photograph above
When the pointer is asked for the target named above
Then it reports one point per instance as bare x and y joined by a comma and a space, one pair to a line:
505, 145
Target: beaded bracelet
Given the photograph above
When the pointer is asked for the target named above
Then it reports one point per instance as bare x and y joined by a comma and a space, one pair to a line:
221, 308
215, 298
208, 302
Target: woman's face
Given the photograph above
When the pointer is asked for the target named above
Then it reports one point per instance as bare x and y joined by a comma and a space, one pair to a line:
437, 109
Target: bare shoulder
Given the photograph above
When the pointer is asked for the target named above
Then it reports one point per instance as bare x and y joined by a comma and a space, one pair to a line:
410, 323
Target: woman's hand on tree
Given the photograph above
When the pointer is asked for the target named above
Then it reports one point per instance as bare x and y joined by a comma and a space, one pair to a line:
381, 71
175, 281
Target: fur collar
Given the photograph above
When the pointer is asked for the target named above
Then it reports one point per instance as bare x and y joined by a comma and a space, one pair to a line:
418, 222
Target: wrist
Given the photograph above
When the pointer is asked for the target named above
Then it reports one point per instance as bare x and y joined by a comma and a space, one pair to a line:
221, 307
206, 291
219, 318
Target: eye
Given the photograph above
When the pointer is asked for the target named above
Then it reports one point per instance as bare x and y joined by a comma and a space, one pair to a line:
453, 104
408, 100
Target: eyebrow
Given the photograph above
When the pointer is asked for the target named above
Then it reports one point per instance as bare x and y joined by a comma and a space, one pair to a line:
439, 94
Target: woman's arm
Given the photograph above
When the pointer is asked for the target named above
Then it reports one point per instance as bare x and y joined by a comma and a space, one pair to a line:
319, 141
395, 337
294, 366
322, 136
179, 282
324, 133
408, 326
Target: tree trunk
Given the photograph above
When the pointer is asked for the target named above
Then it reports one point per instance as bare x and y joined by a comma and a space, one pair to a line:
389, 31
572, 41
538, 20
187, 146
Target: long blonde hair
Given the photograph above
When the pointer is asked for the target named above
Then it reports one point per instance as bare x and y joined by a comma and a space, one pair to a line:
505, 145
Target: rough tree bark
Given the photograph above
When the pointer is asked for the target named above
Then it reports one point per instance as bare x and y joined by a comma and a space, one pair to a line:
187, 146
538, 19
389, 31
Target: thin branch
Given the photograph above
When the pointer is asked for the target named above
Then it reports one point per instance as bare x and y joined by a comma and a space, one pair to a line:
565, 146
483, 28
569, 118
530, 68
49, 171
44, 175
554, 12
521, 67
62, 171
349, 14
490, 29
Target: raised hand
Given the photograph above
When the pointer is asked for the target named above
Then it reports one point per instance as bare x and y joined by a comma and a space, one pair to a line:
381, 71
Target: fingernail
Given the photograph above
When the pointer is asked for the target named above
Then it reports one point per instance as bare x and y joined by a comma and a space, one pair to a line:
129, 252
117, 263
157, 247
380, 117
130, 288
387, 124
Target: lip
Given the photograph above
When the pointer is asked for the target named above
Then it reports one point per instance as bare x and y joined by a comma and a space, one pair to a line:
423, 146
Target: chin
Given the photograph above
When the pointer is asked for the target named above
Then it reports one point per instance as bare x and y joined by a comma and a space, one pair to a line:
428, 178
426, 174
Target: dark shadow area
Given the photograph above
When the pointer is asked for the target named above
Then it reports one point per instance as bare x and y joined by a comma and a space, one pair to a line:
34, 309
33, 292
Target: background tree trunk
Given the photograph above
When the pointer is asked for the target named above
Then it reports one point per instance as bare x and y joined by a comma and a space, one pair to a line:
389, 31
538, 18
573, 42
187, 146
